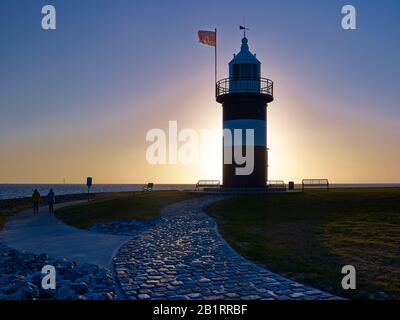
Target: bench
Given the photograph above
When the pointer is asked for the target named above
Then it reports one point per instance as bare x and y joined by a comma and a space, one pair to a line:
315, 183
208, 184
148, 187
276, 184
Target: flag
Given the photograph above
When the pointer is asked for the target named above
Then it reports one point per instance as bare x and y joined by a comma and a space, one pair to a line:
208, 37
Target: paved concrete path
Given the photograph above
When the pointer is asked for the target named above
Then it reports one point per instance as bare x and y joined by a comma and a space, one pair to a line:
44, 233
184, 257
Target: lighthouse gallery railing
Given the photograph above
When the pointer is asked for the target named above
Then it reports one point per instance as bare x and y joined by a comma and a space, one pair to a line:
244, 85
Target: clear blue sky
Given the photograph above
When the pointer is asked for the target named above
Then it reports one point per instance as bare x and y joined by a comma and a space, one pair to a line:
114, 69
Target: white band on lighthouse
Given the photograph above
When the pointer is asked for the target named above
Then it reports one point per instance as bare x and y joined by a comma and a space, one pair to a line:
259, 127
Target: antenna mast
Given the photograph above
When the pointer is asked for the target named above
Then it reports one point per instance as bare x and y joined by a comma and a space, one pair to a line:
243, 27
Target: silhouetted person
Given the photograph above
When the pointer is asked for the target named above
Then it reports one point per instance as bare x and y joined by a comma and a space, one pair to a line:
51, 199
36, 199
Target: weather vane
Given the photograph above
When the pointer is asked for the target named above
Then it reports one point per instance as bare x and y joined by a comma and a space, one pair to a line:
243, 27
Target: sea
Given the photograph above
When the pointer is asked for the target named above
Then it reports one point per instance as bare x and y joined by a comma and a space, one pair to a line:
15, 191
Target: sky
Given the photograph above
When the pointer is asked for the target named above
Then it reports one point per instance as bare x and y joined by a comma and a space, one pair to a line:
78, 101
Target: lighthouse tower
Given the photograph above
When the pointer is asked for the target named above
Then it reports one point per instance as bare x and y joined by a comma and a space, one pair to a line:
244, 97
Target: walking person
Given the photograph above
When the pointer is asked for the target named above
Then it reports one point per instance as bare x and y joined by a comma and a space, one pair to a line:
36, 199
51, 199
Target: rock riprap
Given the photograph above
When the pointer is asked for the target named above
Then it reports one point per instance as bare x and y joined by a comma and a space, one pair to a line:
21, 278
184, 257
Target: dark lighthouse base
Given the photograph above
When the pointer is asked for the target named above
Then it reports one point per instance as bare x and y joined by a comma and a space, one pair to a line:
258, 177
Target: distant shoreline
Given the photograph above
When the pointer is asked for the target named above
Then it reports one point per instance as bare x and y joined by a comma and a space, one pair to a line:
18, 191
26, 201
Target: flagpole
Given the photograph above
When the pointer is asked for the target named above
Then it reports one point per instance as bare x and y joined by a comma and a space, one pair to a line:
215, 60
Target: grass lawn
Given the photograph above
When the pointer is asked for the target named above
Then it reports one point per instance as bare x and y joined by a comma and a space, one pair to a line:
9, 207
6, 213
141, 206
310, 236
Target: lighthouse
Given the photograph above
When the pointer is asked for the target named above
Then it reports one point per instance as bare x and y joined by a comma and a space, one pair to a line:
244, 97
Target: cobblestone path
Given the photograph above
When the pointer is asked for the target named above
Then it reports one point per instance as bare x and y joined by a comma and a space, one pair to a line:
184, 257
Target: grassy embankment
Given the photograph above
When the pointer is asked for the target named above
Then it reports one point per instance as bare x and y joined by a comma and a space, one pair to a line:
141, 206
11, 208
309, 237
